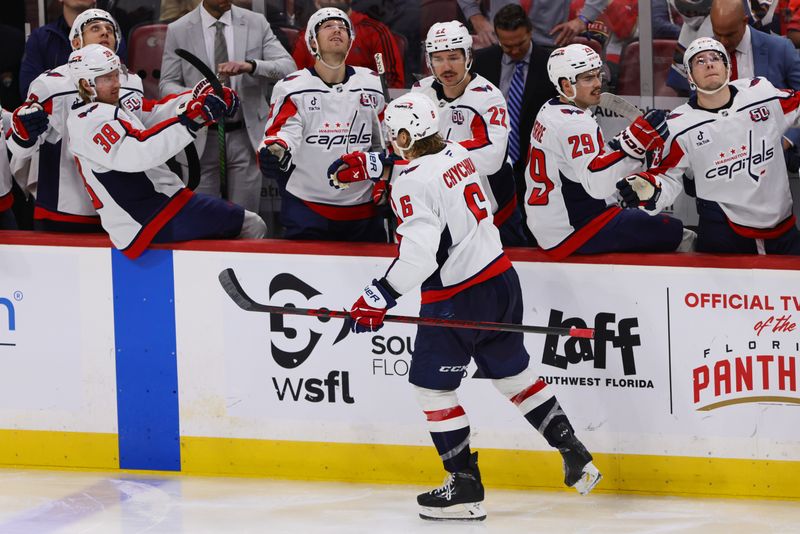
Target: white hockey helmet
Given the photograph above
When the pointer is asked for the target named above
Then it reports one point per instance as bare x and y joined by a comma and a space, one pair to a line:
413, 112
450, 35
90, 62
570, 61
703, 44
318, 18
88, 16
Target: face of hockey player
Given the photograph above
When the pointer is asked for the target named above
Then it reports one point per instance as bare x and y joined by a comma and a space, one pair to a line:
333, 38
98, 32
708, 70
515, 43
588, 87
107, 88
449, 67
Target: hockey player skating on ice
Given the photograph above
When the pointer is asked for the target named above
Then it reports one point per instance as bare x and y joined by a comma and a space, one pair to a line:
317, 115
450, 246
123, 164
572, 174
728, 140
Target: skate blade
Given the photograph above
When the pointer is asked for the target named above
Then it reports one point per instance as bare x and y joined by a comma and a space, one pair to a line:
458, 512
589, 479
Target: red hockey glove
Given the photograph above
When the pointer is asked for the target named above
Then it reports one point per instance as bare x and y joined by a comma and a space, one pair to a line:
355, 167
28, 122
369, 310
230, 97
646, 133
380, 192
202, 111
639, 190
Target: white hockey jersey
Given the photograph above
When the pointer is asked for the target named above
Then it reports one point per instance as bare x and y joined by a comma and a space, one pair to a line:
735, 156
123, 166
448, 241
52, 175
478, 121
320, 123
6, 198
571, 178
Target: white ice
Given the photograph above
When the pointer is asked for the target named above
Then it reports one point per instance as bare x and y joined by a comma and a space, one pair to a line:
43, 502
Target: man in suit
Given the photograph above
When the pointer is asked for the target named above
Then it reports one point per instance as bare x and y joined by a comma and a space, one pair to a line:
498, 64
241, 47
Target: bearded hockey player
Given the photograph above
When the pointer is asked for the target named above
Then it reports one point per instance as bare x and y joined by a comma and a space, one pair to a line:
450, 246
727, 140
123, 164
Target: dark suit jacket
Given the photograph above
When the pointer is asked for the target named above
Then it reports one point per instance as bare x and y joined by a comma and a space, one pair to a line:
538, 90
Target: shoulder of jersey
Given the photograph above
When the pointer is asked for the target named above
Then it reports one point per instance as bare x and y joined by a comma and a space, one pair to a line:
424, 83
53, 82
132, 81
424, 169
482, 86
94, 112
556, 111
298, 77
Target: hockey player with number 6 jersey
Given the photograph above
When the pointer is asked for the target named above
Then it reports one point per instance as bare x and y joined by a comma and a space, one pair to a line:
572, 173
727, 140
449, 245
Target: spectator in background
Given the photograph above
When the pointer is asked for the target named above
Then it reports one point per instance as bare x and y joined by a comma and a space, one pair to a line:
524, 92
175, 9
12, 47
793, 24
48, 46
552, 25
371, 37
666, 20
223, 34
695, 24
7, 221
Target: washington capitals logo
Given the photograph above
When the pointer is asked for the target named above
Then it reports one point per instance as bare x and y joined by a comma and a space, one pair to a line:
570, 111
290, 77
483, 88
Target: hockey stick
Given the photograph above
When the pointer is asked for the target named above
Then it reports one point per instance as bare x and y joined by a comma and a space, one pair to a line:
620, 106
229, 282
209, 75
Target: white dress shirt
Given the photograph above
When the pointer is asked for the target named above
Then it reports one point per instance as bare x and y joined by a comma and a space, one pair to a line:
744, 56
210, 33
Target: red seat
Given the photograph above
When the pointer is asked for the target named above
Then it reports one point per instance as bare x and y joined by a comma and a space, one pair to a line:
145, 50
291, 34
433, 11
663, 51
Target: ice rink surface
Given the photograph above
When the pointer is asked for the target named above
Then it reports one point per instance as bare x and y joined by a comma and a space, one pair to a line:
43, 502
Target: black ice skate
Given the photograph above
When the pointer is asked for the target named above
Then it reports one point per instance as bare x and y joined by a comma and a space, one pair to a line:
579, 471
458, 499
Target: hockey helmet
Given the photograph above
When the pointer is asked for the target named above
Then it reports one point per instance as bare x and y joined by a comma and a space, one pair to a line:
90, 62
321, 16
90, 15
703, 44
570, 61
413, 112
450, 35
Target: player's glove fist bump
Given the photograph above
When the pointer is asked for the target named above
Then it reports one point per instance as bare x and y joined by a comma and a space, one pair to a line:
639, 190
201, 111
646, 133
274, 156
28, 122
355, 167
369, 310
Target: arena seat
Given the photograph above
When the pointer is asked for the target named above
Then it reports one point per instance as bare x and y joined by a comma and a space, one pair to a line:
433, 11
592, 43
145, 50
663, 51
290, 35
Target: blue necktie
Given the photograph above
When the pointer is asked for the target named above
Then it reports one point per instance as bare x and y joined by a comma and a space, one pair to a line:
515, 94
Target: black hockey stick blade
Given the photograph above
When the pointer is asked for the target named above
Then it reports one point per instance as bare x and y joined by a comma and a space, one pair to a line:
204, 69
231, 285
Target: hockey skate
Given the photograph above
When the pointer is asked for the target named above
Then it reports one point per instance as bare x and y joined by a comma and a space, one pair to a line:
459, 499
579, 471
